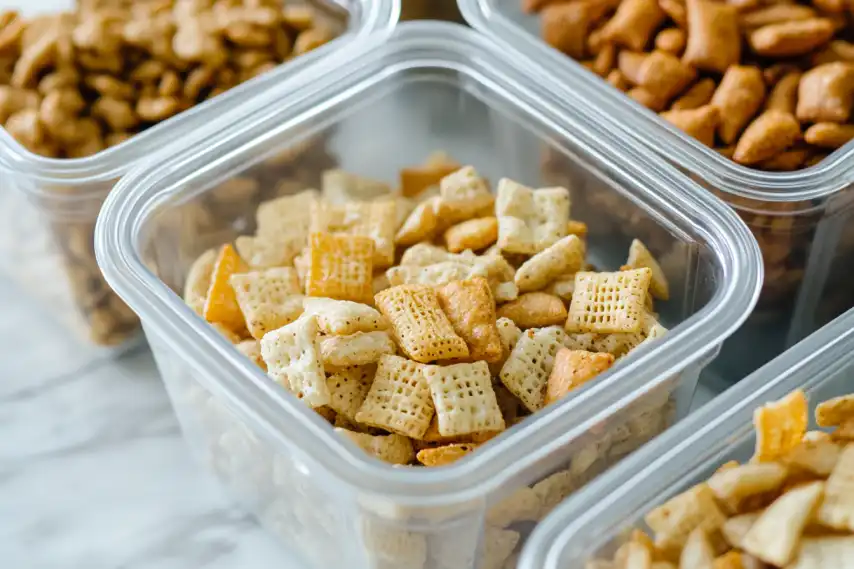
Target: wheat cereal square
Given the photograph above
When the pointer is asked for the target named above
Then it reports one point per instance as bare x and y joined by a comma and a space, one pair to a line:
464, 400
607, 303
469, 306
269, 299
292, 356
341, 267
422, 330
526, 371
348, 388
399, 399
530, 220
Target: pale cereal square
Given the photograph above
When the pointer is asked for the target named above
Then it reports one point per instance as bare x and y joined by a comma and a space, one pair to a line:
376, 220
286, 216
464, 400
357, 349
293, 360
399, 399
341, 267
434, 275
348, 388
526, 371
565, 256
464, 194
530, 220
608, 303
269, 299
344, 317
265, 251
640, 257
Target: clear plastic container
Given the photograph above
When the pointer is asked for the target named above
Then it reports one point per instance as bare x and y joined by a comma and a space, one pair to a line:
431, 86
591, 524
801, 219
49, 206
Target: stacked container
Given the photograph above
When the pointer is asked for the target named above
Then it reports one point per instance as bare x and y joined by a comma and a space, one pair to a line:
49, 206
800, 219
593, 523
430, 87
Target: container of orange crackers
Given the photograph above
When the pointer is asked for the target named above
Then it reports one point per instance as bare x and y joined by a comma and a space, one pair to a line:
761, 477
418, 358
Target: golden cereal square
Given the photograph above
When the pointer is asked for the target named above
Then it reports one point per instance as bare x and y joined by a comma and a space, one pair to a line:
341, 267
399, 398
607, 303
530, 220
471, 310
445, 455
221, 303
464, 400
293, 360
348, 388
422, 330
269, 299
376, 220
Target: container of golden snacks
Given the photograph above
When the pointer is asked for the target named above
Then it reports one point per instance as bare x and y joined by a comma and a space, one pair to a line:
416, 359
761, 477
752, 99
87, 94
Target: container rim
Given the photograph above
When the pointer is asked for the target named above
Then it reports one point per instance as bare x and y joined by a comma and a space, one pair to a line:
375, 19
564, 75
582, 518
430, 45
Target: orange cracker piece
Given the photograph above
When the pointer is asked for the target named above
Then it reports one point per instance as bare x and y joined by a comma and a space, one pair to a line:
445, 455
287, 215
399, 398
837, 510
674, 521
564, 256
640, 257
775, 535
394, 448
344, 317
474, 234
780, 426
357, 349
348, 388
293, 360
464, 400
572, 369
375, 220
609, 302
825, 552
534, 310
470, 308
269, 299
464, 194
526, 371
734, 485
422, 330
221, 303
199, 281
341, 267
835, 412
421, 223
530, 220
252, 350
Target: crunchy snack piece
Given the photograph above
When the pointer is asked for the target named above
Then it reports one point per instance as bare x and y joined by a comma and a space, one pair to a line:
775, 14
252, 350
344, 317
634, 23
221, 303
464, 400
698, 95
829, 134
445, 455
674, 521
422, 330
819, 552
639, 258
399, 398
698, 551
375, 220
266, 251
341, 267
474, 234
394, 448
769, 134
736, 528
835, 412
415, 180
420, 225
469, 306
293, 360
837, 509
565, 27
522, 505
530, 220
553, 489
286, 216
664, 75
526, 371
434, 275
339, 186
609, 302
564, 256
572, 369
358, 349
815, 456
784, 96
714, 39
735, 485
791, 38
199, 281
671, 40
701, 122
826, 93
498, 544
738, 97
464, 194
348, 388
780, 426
534, 310
269, 299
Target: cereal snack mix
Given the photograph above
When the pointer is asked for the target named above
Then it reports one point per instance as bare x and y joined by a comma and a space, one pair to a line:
790, 507
768, 85
422, 354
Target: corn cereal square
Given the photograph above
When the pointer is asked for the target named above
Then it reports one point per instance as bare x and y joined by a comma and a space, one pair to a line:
464, 400
292, 356
341, 267
269, 299
348, 388
399, 398
526, 371
608, 303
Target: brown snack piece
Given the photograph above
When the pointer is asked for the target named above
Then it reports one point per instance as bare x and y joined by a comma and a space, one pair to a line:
701, 123
565, 27
647, 98
829, 134
671, 40
769, 134
676, 11
784, 95
786, 161
470, 307
775, 14
630, 64
714, 38
826, 93
572, 369
791, 38
534, 310
634, 23
617, 80
605, 60
836, 50
738, 97
698, 95
664, 75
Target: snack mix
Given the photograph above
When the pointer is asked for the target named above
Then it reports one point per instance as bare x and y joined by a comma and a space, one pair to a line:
422, 322
768, 84
791, 506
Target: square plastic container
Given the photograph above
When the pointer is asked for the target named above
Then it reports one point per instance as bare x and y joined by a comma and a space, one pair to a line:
49, 206
591, 524
431, 86
801, 219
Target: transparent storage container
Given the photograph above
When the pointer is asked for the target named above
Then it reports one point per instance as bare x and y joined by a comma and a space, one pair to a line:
591, 524
801, 219
48, 206
431, 86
